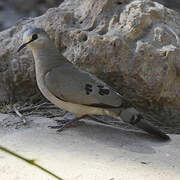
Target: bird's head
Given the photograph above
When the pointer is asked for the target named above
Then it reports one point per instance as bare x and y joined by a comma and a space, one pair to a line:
34, 38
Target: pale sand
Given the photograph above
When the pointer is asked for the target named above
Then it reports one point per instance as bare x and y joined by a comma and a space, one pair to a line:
90, 151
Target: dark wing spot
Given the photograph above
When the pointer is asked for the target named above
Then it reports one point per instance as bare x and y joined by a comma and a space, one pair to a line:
88, 88
103, 91
100, 86
89, 85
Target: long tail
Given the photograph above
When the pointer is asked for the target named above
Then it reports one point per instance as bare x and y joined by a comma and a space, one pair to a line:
132, 116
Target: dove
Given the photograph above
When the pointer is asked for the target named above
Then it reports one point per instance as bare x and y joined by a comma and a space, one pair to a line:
75, 90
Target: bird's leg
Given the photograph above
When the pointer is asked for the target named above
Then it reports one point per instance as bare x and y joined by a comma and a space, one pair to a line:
66, 118
65, 124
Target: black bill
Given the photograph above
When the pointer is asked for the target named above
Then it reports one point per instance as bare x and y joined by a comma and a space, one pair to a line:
24, 45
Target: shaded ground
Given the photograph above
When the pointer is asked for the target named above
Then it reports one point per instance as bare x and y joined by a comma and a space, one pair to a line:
89, 151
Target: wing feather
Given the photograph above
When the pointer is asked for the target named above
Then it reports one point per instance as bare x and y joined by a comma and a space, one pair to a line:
73, 85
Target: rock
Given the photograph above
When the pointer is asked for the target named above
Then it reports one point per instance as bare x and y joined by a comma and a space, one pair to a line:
36, 6
131, 45
175, 4
11, 11
7, 15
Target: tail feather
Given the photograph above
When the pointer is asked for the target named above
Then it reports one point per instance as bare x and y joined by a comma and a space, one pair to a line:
151, 129
133, 117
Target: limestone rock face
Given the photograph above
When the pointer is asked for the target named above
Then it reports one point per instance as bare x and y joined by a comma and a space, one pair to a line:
134, 46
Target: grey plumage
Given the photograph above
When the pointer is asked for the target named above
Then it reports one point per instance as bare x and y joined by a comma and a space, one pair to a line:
80, 87
75, 90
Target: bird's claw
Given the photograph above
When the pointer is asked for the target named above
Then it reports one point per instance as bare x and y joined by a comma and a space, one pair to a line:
66, 123
63, 124
62, 121
55, 127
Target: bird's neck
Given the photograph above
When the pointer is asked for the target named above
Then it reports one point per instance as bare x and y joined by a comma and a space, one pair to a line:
47, 58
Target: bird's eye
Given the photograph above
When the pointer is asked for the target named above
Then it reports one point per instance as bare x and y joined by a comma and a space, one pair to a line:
34, 36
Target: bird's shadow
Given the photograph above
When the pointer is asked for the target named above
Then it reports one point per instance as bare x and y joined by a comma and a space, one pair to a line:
129, 140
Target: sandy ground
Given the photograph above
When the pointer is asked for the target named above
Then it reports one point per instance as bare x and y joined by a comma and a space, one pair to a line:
90, 151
